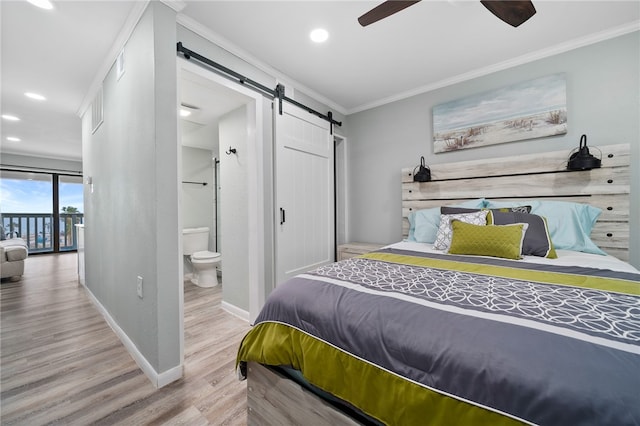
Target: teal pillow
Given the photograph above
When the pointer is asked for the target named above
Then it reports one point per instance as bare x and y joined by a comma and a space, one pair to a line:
426, 225
570, 224
504, 241
412, 226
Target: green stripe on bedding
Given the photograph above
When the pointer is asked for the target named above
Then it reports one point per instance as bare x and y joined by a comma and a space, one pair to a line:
388, 397
566, 279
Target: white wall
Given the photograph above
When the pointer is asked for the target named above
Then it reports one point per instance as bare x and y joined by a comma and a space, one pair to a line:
203, 137
198, 200
234, 208
131, 217
603, 89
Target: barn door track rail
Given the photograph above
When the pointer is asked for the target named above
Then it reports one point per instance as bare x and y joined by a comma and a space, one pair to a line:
278, 92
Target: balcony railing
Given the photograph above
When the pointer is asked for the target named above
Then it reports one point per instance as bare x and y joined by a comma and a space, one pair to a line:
36, 230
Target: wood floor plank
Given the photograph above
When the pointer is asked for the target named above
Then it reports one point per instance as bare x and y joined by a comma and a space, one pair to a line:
191, 416
61, 363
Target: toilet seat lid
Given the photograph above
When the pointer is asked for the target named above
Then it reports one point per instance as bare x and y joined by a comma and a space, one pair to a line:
203, 255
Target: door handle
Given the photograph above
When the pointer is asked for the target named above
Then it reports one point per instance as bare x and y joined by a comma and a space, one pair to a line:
282, 216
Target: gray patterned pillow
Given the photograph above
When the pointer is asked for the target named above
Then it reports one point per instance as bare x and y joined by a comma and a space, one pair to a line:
443, 238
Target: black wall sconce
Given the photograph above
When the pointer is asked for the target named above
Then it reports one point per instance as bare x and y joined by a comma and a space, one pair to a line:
583, 159
424, 173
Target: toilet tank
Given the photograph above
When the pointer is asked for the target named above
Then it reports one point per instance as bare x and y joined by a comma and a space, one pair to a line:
195, 239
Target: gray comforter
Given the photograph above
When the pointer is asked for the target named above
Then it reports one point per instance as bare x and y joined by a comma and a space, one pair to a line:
538, 344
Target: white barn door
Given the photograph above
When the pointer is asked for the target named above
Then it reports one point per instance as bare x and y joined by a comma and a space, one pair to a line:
305, 228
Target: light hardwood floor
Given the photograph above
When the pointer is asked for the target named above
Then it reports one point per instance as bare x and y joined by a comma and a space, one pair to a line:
60, 363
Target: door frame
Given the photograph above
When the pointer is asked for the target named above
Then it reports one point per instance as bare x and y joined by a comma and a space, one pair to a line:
340, 150
255, 193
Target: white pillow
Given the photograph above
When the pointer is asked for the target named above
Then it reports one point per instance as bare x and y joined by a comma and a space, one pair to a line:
443, 238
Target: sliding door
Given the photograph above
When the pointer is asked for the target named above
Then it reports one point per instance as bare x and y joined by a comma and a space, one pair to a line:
41, 208
305, 228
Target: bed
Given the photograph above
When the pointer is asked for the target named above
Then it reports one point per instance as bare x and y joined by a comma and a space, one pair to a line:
412, 334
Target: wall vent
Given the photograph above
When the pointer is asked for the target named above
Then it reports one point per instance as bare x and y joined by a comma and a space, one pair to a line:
97, 111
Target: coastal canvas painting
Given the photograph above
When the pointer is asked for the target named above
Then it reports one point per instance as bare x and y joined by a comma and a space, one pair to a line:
528, 110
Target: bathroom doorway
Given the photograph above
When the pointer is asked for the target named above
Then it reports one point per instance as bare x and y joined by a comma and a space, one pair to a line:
204, 105
223, 156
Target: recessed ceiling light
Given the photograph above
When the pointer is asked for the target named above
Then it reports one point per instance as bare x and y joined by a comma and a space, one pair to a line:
43, 4
319, 35
184, 112
10, 117
13, 139
36, 96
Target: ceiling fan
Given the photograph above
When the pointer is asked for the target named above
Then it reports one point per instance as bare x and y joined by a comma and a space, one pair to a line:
513, 12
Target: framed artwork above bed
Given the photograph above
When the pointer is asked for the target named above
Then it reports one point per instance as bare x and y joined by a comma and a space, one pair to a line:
527, 110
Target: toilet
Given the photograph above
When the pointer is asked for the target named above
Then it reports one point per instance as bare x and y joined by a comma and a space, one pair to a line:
195, 243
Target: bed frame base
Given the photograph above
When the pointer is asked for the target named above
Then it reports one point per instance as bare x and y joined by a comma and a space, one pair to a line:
272, 399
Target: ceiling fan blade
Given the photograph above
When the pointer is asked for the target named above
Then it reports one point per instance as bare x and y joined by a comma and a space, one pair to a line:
513, 12
383, 10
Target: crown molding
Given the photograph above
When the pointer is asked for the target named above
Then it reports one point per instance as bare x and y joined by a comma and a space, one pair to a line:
520, 60
210, 35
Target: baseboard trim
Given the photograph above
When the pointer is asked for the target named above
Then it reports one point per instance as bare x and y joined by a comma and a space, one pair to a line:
169, 376
235, 311
158, 380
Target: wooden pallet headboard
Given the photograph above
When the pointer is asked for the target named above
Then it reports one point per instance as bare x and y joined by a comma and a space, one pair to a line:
534, 176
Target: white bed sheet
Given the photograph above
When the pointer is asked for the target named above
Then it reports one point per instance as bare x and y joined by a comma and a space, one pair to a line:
565, 257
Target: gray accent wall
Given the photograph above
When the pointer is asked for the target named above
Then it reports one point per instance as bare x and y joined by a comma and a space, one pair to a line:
603, 90
131, 213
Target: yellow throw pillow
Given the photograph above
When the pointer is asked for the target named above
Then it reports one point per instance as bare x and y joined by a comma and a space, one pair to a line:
489, 240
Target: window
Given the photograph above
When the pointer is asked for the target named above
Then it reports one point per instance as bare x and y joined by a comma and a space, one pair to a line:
38, 206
